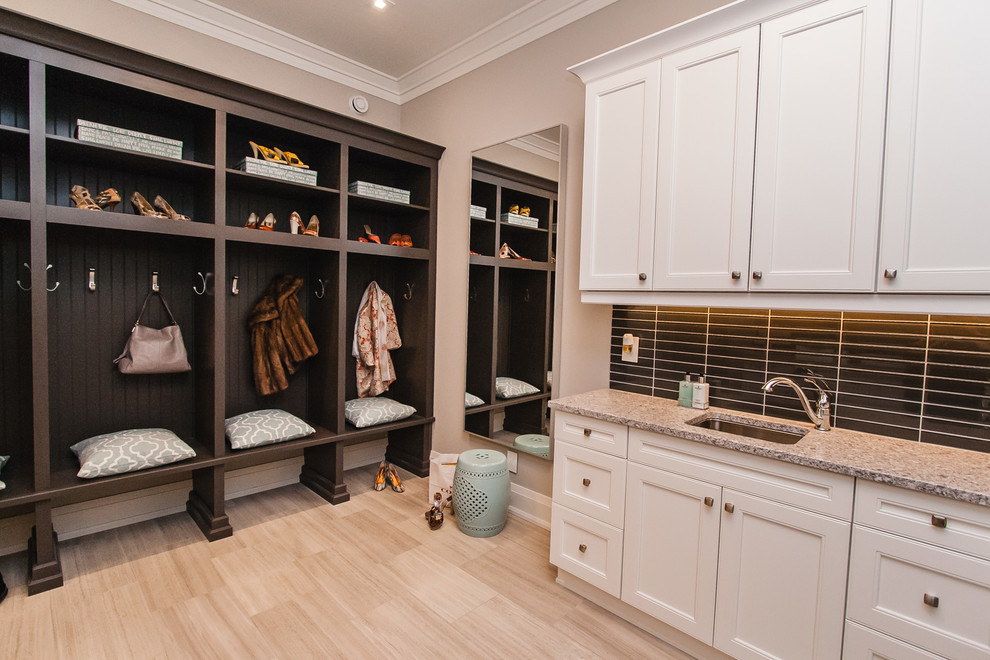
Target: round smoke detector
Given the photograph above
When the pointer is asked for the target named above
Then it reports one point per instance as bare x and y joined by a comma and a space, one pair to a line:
360, 104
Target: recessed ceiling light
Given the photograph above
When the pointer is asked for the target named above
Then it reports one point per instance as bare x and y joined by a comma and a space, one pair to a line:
382, 4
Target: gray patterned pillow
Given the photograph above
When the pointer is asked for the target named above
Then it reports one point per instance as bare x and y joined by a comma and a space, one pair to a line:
375, 410
129, 451
470, 400
507, 388
265, 427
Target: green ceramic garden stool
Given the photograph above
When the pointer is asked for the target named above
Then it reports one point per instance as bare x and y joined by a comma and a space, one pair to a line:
481, 492
533, 443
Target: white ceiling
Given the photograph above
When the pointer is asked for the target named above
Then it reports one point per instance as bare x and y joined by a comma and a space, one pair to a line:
396, 53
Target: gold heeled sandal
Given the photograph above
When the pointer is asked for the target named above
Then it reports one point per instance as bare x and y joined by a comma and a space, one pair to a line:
290, 158
142, 207
252, 221
266, 153
80, 197
295, 223
313, 228
108, 198
165, 208
268, 224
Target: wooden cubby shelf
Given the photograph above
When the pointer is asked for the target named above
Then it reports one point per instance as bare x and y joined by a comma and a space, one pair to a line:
59, 334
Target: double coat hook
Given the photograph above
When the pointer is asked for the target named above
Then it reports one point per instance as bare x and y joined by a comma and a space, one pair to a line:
28, 287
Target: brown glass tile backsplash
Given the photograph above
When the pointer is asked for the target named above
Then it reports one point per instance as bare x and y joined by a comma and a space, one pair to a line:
914, 376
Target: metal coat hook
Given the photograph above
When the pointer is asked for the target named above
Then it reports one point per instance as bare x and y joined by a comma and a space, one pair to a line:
233, 287
322, 290
21, 286
92, 280
202, 278
154, 281
526, 296
56, 281
409, 291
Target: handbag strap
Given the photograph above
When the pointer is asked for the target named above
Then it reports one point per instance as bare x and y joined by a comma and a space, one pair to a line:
145, 305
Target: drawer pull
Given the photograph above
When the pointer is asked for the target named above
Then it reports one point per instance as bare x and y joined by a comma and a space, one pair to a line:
586, 482
939, 521
587, 433
729, 507
709, 501
931, 601
583, 547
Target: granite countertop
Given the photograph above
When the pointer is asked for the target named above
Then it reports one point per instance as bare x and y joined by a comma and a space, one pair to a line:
946, 471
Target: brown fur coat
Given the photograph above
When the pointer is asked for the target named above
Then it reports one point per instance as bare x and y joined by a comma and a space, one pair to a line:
280, 338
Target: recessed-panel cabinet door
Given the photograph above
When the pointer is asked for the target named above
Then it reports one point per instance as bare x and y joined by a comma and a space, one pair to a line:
620, 165
819, 148
670, 550
935, 229
781, 581
705, 179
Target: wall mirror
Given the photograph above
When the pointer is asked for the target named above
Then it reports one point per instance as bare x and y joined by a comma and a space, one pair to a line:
514, 216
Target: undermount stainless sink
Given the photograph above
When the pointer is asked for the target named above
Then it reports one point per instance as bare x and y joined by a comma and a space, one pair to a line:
751, 429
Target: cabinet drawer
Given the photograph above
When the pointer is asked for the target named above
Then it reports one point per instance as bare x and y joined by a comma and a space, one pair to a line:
893, 584
861, 643
592, 433
587, 548
947, 523
590, 482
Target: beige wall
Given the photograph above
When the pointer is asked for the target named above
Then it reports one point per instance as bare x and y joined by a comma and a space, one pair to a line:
522, 92
133, 29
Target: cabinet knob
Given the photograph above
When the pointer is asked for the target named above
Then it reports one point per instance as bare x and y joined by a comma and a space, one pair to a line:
582, 548
939, 521
587, 433
709, 501
586, 482
736, 275
757, 274
729, 507
642, 277
889, 273
930, 600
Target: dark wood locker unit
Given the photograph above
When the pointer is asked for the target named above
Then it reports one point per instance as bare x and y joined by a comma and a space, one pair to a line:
510, 301
72, 280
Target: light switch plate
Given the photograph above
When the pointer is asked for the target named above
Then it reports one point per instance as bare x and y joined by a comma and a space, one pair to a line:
512, 460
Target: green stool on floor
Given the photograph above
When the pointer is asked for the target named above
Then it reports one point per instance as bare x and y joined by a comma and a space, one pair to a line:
481, 492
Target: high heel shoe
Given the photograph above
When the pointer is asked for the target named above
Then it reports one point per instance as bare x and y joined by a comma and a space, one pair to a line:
266, 153
252, 221
313, 228
369, 236
80, 197
380, 479
268, 224
142, 207
165, 208
108, 198
393, 479
295, 223
505, 252
396, 240
290, 158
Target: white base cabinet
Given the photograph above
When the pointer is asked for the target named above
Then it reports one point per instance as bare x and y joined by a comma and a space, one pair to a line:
781, 580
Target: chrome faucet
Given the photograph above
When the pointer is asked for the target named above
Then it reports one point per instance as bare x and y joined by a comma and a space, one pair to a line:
821, 418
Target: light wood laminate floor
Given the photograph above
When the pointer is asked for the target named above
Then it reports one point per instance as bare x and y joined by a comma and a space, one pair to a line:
301, 578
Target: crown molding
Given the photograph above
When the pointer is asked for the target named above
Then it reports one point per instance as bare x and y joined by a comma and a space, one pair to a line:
524, 26
539, 146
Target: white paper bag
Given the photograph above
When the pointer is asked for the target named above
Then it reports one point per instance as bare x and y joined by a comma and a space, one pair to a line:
441, 475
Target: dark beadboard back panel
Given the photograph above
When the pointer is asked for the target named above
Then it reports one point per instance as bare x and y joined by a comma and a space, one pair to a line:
914, 376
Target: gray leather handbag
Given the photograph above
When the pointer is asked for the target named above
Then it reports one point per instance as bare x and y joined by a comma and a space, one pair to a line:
151, 351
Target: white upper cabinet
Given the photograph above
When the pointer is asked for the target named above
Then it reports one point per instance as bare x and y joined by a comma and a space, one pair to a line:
620, 164
704, 184
936, 223
819, 147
